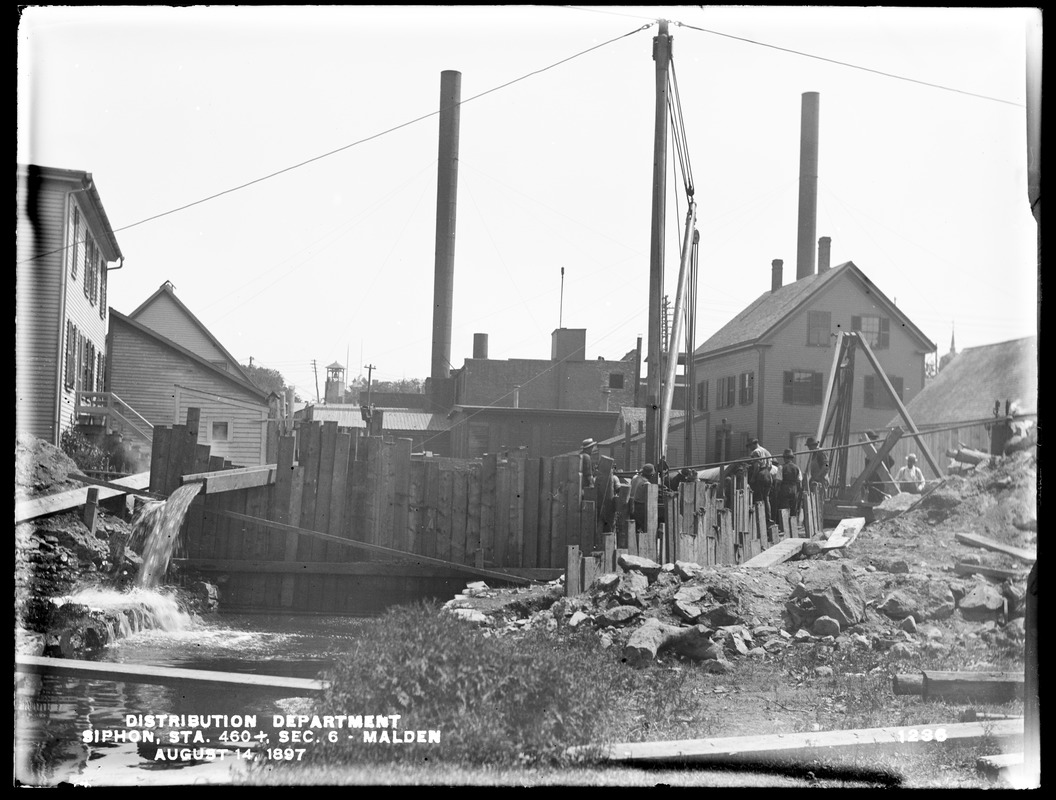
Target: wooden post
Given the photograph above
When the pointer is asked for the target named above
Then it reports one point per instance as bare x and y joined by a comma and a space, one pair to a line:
572, 571
608, 546
91, 509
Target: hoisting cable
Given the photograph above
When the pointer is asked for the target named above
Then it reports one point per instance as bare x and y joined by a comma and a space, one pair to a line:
678, 129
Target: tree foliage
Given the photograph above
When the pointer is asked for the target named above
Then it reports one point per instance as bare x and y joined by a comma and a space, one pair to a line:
265, 379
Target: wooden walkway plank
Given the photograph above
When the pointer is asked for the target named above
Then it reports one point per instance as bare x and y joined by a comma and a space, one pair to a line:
974, 540
778, 554
74, 498
844, 533
808, 747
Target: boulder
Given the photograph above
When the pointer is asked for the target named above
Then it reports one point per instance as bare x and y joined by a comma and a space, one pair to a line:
646, 566
617, 616
923, 599
606, 582
687, 611
721, 616
687, 570
577, 618
828, 591
654, 636
982, 603
630, 587
909, 625
642, 647
470, 615
691, 594
823, 672
897, 566
826, 626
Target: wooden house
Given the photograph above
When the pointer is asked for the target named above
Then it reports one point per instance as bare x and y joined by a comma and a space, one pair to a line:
163, 373
427, 431
763, 374
65, 249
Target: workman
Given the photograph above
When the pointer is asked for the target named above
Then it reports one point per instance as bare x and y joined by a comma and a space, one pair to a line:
910, 478
638, 495
587, 467
817, 466
789, 486
760, 478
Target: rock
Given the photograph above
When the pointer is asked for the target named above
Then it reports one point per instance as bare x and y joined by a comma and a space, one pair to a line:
861, 640
826, 626
687, 611
909, 625
606, 582
687, 570
900, 650
982, 603
470, 615
605, 641
630, 588
802, 636
691, 594
476, 587
828, 592
721, 616
718, 667
1016, 628
764, 631
646, 566
694, 643
757, 652
897, 605
933, 649
897, 566
834, 555
810, 549
921, 598
616, 616
823, 672
870, 568
669, 568
932, 633
972, 559
577, 618
735, 644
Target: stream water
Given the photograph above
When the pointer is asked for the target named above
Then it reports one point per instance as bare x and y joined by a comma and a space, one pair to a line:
77, 731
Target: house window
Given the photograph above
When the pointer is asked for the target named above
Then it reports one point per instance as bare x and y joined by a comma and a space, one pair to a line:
89, 258
746, 385
71, 355
73, 246
802, 388
876, 396
219, 431
725, 394
615, 380
819, 328
702, 396
875, 330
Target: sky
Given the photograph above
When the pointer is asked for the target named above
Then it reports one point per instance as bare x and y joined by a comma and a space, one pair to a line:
278, 165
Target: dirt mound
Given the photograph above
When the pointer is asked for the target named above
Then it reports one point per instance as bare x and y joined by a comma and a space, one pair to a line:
41, 468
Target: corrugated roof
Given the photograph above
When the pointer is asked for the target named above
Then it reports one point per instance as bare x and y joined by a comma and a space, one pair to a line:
349, 416
969, 384
770, 308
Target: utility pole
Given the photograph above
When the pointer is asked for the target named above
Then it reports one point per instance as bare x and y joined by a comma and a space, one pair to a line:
370, 369
561, 304
316, 371
662, 57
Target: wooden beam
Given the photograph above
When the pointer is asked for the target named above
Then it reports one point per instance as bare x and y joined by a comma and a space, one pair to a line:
411, 568
844, 534
808, 747
231, 480
167, 676
374, 548
996, 687
74, 498
974, 540
778, 554
874, 461
901, 408
998, 573
73, 476
836, 353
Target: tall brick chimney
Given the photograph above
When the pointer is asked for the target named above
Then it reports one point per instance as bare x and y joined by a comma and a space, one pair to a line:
808, 185
776, 270
824, 250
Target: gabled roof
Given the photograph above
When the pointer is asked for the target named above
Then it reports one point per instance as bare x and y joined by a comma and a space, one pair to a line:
90, 201
245, 385
349, 416
968, 385
770, 309
166, 290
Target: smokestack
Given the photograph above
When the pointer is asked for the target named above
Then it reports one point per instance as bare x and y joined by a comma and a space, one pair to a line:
516, 396
808, 185
824, 248
480, 345
446, 195
776, 269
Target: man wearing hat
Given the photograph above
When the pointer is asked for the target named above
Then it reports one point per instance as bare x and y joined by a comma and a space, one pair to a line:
910, 478
586, 462
817, 466
760, 478
638, 496
790, 479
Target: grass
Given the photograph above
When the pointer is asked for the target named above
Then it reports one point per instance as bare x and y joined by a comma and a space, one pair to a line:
508, 708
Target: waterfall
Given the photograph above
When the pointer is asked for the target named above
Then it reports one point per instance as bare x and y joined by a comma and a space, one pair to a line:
132, 611
161, 522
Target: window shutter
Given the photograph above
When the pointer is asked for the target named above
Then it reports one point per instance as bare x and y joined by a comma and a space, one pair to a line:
102, 292
856, 323
819, 388
71, 354
870, 391
100, 372
884, 337
786, 395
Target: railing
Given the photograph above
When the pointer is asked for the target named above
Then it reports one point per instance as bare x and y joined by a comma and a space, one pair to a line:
105, 405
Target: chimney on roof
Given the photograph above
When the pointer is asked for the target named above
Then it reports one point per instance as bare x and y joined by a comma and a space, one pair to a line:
776, 274
480, 345
808, 185
824, 250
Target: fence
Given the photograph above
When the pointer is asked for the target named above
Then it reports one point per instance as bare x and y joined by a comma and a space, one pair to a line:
423, 523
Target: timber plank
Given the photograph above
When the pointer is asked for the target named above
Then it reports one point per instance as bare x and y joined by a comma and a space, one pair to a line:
309, 436
974, 540
473, 516
805, 747
844, 534
443, 514
432, 507
558, 517
963, 569
459, 514
387, 478
502, 511
573, 572
416, 507
993, 687
546, 500
401, 492
339, 493
324, 485
159, 459
530, 522
778, 554
515, 547
74, 498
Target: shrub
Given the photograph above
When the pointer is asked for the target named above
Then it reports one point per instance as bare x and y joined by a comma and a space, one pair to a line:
84, 453
496, 701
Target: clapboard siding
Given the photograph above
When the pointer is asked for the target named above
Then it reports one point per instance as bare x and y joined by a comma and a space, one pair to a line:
146, 373
44, 229
247, 424
163, 315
